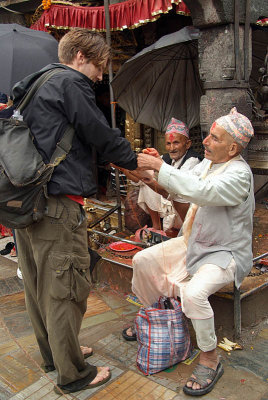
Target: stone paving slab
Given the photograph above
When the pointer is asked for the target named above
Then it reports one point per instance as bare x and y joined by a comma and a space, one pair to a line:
11, 285
112, 299
116, 348
8, 345
5, 391
127, 309
16, 374
43, 387
95, 305
99, 319
132, 386
10, 304
19, 324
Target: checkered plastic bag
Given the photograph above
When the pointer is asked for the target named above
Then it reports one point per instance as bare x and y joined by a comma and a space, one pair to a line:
163, 336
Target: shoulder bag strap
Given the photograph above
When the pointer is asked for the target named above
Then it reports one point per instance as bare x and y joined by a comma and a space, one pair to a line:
37, 84
63, 147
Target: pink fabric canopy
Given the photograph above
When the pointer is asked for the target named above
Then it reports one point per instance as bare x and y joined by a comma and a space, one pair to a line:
129, 14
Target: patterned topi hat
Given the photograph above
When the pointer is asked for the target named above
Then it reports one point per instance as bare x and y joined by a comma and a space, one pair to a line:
238, 126
177, 126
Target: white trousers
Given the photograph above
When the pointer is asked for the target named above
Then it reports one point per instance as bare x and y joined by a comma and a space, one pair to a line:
161, 271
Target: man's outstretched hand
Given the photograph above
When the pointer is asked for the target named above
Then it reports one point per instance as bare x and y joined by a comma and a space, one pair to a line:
149, 159
137, 174
151, 151
146, 161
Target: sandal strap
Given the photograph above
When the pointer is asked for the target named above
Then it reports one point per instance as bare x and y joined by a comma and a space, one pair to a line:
202, 373
133, 330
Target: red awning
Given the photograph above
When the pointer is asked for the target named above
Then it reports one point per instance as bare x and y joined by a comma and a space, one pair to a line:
129, 14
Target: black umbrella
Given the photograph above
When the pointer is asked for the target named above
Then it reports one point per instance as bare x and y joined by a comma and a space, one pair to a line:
162, 81
22, 52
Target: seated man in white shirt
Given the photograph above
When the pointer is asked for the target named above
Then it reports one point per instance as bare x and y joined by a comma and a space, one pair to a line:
216, 243
153, 198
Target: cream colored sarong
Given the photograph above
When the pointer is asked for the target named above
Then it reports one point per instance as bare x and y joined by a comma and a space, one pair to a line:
158, 270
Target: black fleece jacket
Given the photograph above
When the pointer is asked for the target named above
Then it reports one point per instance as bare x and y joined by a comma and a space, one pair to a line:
68, 98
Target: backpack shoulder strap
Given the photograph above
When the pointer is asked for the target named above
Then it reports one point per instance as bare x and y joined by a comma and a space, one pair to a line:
63, 147
37, 84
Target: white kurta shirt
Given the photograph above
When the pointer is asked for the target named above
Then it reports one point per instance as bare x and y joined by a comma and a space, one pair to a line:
222, 227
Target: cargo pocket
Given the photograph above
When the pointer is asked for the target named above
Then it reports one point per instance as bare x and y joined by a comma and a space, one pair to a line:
51, 227
70, 277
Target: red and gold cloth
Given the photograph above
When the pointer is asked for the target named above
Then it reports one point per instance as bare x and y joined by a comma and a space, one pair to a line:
129, 14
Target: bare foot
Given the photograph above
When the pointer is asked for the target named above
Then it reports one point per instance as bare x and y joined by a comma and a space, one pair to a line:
13, 252
86, 350
209, 359
103, 373
130, 331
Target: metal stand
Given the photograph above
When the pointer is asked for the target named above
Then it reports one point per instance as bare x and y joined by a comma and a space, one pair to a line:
237, 312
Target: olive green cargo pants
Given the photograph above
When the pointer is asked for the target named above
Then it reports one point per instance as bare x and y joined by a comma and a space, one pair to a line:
54, 259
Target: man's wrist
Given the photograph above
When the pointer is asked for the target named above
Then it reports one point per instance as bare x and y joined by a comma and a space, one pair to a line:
158, 164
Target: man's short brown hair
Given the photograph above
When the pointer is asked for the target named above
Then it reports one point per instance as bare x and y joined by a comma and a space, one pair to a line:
91, 44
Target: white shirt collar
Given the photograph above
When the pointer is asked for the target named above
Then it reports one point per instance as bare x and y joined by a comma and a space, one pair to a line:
177, 163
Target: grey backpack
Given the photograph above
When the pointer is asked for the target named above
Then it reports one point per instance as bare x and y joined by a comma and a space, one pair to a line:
23, 173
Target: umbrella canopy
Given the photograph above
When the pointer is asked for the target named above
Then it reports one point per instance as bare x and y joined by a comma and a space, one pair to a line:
162, 81
22, 52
